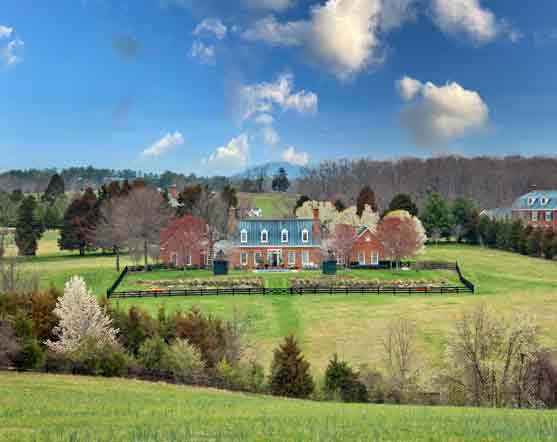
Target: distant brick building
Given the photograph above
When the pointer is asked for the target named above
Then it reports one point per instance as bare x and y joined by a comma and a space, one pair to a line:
537, 208
367, 250
275, 243
186, 242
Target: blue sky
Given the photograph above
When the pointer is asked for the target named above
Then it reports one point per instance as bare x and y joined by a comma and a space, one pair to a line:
214, 86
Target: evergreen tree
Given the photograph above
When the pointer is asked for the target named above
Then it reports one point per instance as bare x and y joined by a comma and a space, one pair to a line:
491, 234
462, 211
339, 377
548, 243
516, 234
55, 188
403, 201
300, 202
503, 236
29, 228
280, 181
366, 198
437, 216
339, 205
534, 244
472, 228
524, 239
79, 220
290, 374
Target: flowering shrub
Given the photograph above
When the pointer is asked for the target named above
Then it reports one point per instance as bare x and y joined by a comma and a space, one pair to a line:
198, 283
348, 282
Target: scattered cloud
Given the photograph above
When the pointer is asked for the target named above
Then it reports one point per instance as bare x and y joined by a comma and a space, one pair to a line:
273, 5
211, 26
232, 157
204, 53
164, 145
9, 53
469, 18
290, 155
343, 36
270, 136
126, 46
5, 31
264, 98
438, 115
264, 120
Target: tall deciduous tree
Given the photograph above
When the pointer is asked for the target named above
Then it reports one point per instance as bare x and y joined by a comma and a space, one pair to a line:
56, 187
290, 374
366, 198
401, 235
403, 201
79, 221
109, 233
462, 213
29, 228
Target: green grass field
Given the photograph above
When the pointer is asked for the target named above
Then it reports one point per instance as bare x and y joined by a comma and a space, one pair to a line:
273, 205
41, 408
353, 325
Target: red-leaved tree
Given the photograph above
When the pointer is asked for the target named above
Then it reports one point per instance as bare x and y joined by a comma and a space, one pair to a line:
343, 241
402, 236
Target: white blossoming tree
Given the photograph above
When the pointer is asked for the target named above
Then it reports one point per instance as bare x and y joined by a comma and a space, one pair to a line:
81, 317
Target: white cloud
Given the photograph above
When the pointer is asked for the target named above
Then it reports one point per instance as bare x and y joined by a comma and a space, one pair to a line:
164, 145
343, 36
441, 114
5, 31
211, 26
468, 18
204, 53
298, 158
264, 119
264, 98
270, 136
231, 157
274, 5
408, 88
8, 53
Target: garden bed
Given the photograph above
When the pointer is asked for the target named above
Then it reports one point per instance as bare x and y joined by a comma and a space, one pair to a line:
200, 283
327, 282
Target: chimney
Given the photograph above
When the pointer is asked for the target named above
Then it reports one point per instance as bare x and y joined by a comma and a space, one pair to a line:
173, 191
316, 225
232, 222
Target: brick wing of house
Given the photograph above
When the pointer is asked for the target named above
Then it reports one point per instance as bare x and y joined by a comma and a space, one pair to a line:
275, 243
537, 208
186, 242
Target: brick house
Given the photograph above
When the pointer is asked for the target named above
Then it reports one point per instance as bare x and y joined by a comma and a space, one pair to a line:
275, 243
367, 249
186, 242
537, 208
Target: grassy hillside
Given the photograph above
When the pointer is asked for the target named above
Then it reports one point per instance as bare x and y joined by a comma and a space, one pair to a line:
78, 409
273, 205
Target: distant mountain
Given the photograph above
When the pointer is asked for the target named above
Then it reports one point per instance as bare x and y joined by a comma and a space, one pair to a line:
269, 169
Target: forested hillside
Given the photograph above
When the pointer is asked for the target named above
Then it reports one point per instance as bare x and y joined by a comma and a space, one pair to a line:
489, 181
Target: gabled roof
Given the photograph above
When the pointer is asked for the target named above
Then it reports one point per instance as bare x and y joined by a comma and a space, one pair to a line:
177, 224
537, 200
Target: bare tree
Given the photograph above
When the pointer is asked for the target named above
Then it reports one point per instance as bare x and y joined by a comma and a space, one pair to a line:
16, 278
110, 231
140, 217
400, 358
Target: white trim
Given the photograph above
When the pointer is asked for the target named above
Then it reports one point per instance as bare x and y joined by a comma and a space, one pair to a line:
531, 200
305, 258
291, 254
255, 258
548, 216
535, 215
362, 258
374, 258
305, 232
266, 232
189, 260
259, 246
544, 200
282, 232
244, 258
244, 236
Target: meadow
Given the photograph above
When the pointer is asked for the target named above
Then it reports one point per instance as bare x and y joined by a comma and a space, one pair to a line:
352, 326
55, 408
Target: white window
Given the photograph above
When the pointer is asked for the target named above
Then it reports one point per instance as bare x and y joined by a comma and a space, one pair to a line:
291, 258
531, 200
340, 260
244, 236
264, 236
284, 236
257, 258
305, 258
189, 259
548, 216
544, 201
174, 260
362, 258
244, 259
374, 258
305, 236
534, 216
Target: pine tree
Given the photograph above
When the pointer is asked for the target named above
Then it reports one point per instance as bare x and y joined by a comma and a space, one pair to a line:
280, 181
29, 228
55, 188
534, 244
366, 198
516, 234
339, 377
79, 220
548, 243
290, 374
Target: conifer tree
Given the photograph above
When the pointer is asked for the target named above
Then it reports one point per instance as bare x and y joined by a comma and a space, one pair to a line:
548, 243
79, 221
366, 198
29, 228
290, 374
55, 188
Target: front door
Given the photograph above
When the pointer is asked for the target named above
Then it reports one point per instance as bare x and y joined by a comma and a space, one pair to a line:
273, 258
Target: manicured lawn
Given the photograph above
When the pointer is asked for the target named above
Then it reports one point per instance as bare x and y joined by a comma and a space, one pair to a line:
80, 409
273, 205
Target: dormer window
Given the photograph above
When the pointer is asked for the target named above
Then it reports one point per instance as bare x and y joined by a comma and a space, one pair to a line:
284, 236
531, 200
305, 236
544, 201
244, 236
264, 236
